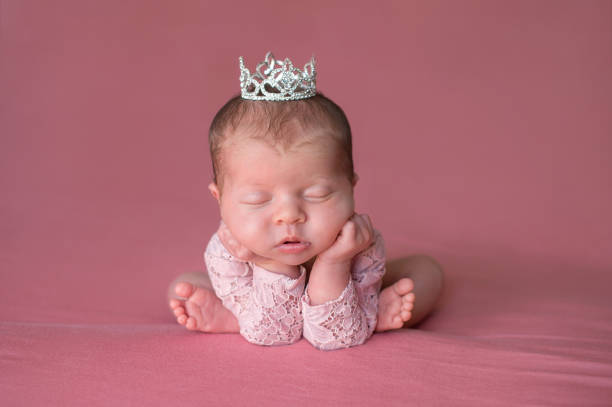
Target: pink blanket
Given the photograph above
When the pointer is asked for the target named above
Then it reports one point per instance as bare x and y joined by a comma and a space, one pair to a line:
486, 145
506, 334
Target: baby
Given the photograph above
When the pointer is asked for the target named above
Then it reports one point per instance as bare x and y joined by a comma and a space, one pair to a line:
291, 258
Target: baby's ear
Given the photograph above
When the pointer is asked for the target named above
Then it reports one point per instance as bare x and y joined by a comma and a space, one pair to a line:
355, 179
214, 191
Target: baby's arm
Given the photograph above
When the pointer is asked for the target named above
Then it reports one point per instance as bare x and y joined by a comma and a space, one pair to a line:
340, 304
267, 305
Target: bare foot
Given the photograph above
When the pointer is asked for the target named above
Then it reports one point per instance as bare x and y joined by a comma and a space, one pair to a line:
395, 305
199, 309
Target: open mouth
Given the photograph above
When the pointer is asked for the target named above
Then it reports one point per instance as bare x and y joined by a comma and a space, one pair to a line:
290, 240
293, 246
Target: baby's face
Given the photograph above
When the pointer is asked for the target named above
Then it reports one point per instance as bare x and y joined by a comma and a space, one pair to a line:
271, 196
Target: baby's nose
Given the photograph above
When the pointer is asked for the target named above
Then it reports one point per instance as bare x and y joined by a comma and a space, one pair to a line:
290, 212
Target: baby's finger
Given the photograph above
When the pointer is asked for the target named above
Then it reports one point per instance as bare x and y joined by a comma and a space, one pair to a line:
363, 223
349, 229
368, 220
369, 224
365, 229
358, 221
230, 243
243, 253
223, 236
223, 232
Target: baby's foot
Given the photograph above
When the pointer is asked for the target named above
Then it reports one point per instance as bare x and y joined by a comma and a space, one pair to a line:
202, 310
395, 305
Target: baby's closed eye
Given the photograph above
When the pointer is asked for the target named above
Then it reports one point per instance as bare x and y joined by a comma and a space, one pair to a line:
255, 199
317, 194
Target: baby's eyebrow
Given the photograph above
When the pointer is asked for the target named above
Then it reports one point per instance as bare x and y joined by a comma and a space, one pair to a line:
251, 190
321, 184
324, 179
255, 183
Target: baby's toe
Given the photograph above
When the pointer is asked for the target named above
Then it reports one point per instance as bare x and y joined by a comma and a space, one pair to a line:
407, 306
397, 322
178, 311
191, 324
183, 289
174, 303
182, 319
405, 315
408, 298
403, 286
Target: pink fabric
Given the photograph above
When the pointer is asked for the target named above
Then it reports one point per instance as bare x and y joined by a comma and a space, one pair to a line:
491, 153
273, 309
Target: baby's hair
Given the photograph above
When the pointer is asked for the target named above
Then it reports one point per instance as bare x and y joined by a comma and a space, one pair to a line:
271, 121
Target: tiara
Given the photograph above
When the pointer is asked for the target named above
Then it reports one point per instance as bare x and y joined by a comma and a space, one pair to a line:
279, 81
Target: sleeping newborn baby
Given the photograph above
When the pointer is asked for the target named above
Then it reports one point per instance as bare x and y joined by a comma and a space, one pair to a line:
291, 258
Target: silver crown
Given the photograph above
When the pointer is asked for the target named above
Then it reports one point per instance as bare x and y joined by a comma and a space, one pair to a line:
279, 81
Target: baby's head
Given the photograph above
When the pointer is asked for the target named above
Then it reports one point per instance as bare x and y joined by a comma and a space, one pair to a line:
282, 125
283, 171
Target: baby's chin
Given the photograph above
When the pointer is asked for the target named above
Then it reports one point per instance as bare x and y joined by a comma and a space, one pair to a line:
297, 262
307, 261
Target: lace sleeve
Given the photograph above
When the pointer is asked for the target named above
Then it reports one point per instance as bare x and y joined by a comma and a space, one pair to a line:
267, 305
367, 273
350, 319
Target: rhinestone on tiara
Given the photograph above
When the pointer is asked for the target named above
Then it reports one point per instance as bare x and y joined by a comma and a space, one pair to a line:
278, 80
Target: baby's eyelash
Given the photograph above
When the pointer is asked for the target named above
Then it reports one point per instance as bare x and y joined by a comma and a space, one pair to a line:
254, 199
318, 197
254, 203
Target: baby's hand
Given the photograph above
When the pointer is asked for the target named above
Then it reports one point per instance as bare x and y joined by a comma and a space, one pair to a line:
356, 235
235, 248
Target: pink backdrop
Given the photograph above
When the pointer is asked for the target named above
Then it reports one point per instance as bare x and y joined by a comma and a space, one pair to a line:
482, 134
481, 128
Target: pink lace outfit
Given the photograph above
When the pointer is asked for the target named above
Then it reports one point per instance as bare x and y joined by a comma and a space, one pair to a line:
273, 309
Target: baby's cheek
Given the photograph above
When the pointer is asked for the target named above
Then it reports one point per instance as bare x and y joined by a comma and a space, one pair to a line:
237, 223
251, 231
344, 212
330, 224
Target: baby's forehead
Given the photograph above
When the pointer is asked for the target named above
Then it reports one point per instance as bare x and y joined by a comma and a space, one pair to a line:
252, 161
290, 138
